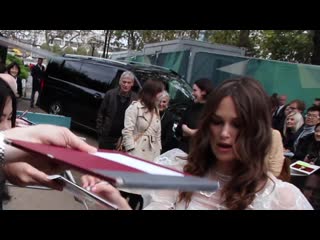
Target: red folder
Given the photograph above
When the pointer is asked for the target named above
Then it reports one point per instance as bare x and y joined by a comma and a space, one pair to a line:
120, 169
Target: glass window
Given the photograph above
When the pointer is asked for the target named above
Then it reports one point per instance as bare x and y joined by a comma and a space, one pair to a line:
179, 90
70, 71
100, 77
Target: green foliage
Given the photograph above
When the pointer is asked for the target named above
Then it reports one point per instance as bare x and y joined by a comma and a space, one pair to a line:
286, 45
45, 46
283, 45
228, 37
68, 50
24, 73
56, 49
81, 51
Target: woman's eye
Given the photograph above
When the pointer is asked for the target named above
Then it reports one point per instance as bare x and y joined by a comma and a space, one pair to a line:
216, 121
236, 124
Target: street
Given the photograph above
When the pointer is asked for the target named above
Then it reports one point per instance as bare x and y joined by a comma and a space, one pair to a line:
35, 199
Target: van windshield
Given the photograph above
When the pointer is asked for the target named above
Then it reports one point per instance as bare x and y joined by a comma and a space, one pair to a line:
179, 90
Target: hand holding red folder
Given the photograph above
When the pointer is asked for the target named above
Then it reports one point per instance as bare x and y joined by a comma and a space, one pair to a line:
21, 173
120, 169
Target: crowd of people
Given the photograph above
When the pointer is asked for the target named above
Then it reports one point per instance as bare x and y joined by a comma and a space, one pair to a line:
233, 133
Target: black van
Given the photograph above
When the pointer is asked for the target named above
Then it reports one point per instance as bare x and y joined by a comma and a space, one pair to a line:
74, 86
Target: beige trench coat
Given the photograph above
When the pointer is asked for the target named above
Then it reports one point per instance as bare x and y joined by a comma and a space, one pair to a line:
136, 121
274, 158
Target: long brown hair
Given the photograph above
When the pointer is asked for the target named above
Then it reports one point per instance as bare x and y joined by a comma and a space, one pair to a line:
149, 91
252, 143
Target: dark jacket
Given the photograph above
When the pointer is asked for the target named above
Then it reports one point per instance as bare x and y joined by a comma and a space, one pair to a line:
190, 118
308, 146
19, 86
278, 120
290, 138
37, 74
167, 121
108, 110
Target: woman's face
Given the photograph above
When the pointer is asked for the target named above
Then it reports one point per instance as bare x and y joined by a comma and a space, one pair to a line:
14, 71
164, 102
287, 111
198, 94
224, 130
317, 134
291, 122
158, 97
5, 121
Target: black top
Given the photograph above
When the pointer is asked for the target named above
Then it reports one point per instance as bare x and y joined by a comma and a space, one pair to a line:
308, 146
167, 139
123, 103
191, 118
288, 141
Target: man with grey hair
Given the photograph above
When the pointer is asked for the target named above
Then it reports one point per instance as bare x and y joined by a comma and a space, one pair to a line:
110, 120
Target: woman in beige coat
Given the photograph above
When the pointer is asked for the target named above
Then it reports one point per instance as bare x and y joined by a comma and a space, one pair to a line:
142, 124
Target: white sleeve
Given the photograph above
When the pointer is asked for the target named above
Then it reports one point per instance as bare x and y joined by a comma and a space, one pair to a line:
289, 197
166, 199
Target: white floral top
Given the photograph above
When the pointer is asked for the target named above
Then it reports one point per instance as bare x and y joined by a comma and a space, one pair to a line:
276, 195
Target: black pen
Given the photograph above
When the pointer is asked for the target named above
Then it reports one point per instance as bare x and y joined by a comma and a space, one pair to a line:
24, 113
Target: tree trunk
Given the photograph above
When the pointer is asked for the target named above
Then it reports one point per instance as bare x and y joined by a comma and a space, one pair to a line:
105, 44
315, 59
108, 44
133, 44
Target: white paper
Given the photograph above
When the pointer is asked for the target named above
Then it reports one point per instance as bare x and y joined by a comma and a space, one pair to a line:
137, 164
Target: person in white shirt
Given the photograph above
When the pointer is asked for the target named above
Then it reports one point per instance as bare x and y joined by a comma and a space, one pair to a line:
230, 147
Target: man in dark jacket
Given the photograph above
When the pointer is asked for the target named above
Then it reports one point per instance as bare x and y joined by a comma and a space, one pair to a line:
110, 119
37, 73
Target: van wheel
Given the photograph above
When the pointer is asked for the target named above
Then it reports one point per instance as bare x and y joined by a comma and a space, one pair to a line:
55, 108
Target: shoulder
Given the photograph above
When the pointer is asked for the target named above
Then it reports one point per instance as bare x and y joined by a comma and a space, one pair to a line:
276, 136
134, 106
285, 195
111, 92
137, 104
134, 95
306, 140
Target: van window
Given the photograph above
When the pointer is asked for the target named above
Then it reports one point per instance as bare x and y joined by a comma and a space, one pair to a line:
99, 76
53, 68
70, 71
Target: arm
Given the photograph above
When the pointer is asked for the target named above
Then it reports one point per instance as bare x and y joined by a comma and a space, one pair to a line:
104, 190
130, 121
286, 196
161, 199
182, 121
275, 158
46, 134
23, 174
102, 113
189, 132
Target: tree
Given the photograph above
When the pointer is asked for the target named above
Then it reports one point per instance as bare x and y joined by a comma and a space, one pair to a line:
286, 45
56, 49
45, 46
82, 51
315, 59
68, 50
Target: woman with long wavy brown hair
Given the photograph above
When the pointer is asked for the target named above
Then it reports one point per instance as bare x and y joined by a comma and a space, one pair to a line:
230, 146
